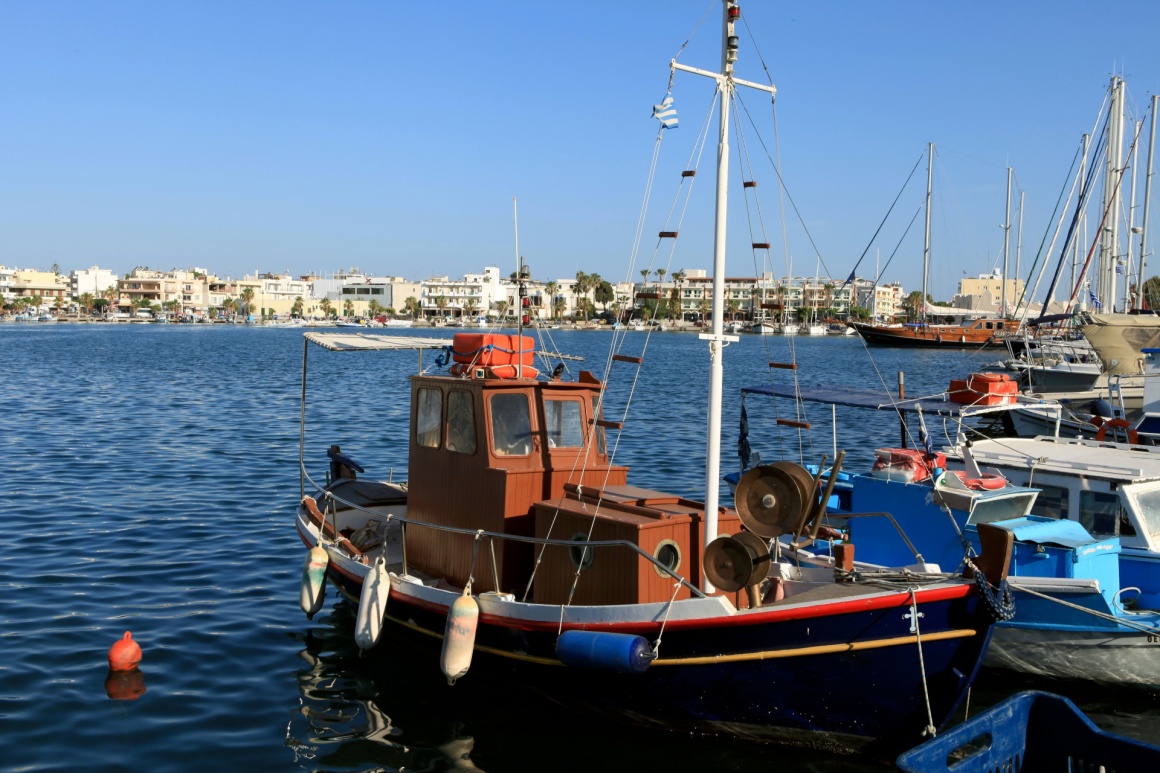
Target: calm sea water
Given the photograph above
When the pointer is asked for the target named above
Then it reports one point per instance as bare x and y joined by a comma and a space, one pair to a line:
148, 484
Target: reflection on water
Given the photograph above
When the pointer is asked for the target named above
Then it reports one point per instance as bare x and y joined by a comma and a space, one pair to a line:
342, 722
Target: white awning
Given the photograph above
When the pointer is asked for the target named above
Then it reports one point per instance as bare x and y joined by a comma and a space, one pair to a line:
355, 342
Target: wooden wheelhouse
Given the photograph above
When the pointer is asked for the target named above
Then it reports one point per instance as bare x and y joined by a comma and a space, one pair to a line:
529, 458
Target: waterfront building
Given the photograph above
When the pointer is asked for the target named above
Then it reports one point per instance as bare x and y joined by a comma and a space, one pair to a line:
49, 286
472, 296
275, 294
985, 294
94, 281
6, 294
177, 291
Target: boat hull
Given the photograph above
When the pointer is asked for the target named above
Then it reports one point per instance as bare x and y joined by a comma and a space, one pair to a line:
1117, 656
790, 673
930, 337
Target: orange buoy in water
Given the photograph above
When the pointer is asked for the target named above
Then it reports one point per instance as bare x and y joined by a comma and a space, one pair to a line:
124, 655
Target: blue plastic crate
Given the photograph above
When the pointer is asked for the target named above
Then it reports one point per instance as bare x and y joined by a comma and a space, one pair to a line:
1028, 733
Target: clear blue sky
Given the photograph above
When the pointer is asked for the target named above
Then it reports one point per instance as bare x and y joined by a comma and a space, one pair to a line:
311, 136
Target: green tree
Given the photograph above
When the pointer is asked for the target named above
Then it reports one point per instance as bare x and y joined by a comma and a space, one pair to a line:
247, 298
86, 301
411, 306
374, 308
441, 303
603, 293
550, 290
1151, 293
348, 308
326, 307
298, 306
913, 304
581, 289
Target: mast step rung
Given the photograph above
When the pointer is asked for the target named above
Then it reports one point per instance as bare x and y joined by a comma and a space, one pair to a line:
792, 423
610, 424
627, 358
667, 235
784, 365
761, 245
689, 173
749, 184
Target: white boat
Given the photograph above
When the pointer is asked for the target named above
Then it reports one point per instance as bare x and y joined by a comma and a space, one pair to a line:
399, 323
529, 554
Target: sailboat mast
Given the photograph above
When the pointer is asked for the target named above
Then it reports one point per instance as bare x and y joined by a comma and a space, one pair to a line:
926, 238
717, 339
1110, 235
1006, 248
717, 342
1147, 200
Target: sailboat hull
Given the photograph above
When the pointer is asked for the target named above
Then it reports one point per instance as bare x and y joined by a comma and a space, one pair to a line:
927, 336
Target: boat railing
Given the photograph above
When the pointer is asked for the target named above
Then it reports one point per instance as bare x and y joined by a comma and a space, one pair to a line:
836, 516
480, 534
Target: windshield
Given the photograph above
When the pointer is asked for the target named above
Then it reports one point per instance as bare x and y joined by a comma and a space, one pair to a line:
1144, 509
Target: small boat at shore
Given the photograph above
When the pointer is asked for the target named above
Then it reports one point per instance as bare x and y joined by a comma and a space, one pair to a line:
517, 550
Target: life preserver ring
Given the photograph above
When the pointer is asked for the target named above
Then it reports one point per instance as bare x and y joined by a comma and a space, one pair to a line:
986, 481
1102, 433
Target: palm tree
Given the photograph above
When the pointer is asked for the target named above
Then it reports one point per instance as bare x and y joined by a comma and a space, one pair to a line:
559, 306
440, 303
297, 308
230, 306
247, 296
374, 308
550, 289
411, 306
86, 301
703, 309
348, 308
326, 307
501, 308
469, 306
580, 290
913, 304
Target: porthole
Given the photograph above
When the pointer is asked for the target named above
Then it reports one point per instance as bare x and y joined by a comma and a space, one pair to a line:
668, 555
581, 555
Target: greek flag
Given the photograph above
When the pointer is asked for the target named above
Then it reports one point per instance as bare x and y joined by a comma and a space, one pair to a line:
666, 113
1094, 300
1119, 269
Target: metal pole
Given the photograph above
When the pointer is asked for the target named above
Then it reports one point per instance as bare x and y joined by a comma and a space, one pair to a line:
926, 239
901, 413
1006, 248
1147, 200
302, 426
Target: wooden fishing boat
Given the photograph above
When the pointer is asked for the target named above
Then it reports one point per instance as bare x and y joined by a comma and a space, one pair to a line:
970, 334
519, 549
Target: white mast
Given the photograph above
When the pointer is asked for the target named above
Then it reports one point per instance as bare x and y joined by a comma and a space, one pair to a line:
1019, 254
717, 339
1131, 229
1006, 248
926, 238
1147, 201
1110, 232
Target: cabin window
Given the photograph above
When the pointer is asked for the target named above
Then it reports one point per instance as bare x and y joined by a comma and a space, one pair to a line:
562, 424
1051, 502
428, 417
580, 555
668, 555
460, 422
1100, 513
511, 424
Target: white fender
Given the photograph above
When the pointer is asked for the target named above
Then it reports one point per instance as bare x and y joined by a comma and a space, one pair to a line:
314, 581
372, 605
459, 636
